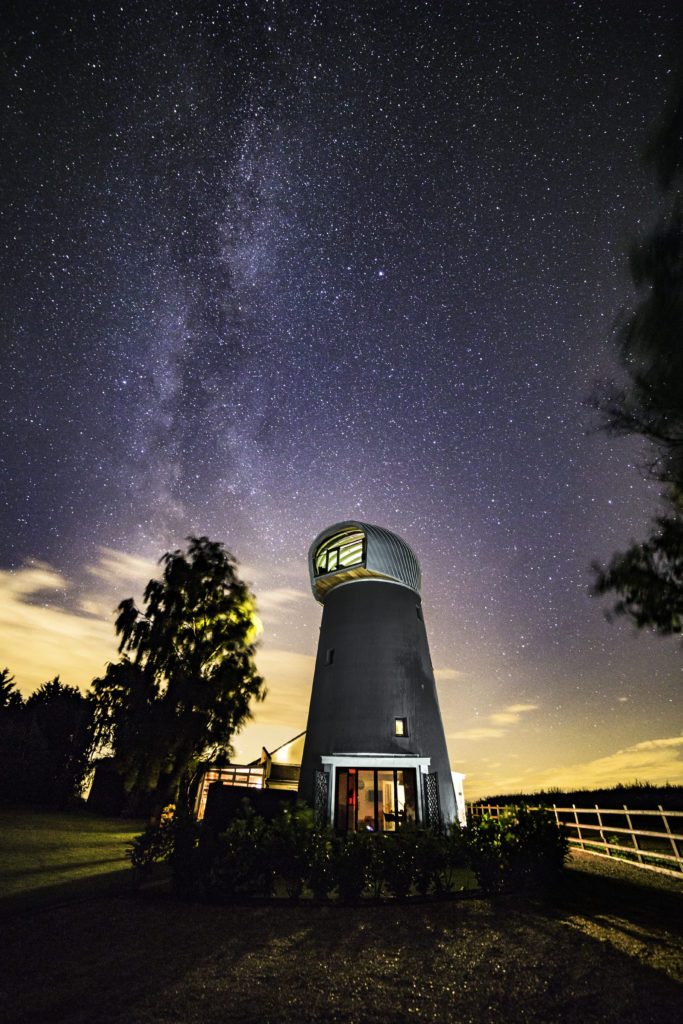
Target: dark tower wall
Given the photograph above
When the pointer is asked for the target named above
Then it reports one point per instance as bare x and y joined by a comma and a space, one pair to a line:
372, 667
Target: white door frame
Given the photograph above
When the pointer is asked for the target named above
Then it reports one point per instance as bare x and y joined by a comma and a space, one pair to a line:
331, 762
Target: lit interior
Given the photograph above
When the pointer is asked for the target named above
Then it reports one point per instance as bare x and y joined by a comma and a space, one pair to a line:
232, 775
376, 799
341, 551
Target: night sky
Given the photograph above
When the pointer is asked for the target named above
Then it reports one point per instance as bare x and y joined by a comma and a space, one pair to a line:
268, 266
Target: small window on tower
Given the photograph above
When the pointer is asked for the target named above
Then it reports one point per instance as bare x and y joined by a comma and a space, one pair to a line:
419, 612
400, 726
329, 658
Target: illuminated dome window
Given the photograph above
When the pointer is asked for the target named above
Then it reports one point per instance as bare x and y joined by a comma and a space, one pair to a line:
341, 551
351, 551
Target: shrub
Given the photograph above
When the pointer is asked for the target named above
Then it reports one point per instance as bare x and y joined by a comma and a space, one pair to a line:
522, 848
188, 859
540, 848
486, 855
321, 876
456, 855
398, 860
290, 846
155, 844
352, 858
243, 863
436, 858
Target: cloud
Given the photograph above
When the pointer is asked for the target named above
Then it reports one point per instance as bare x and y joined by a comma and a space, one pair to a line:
656, 761
35, 578
289, 677
53, 625
498, 720
445, 675
279, 599
482, 733
672, 741
504, 718
117, 567
265, 575
512, 714
284, 712
42, 639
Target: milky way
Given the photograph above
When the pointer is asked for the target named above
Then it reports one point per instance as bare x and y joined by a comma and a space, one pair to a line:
268, 266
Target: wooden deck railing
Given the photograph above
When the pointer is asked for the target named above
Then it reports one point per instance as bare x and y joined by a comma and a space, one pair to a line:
610, 832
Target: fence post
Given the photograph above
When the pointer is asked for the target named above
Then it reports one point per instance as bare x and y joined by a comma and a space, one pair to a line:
602, 834
674, 847
578, 828
634, 837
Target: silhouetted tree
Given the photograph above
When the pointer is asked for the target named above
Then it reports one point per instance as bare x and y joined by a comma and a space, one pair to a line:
59, 736
45, 742
186, 676
12, 740
648, 577
10, 698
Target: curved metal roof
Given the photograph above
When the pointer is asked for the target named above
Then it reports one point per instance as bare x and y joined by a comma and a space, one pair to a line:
385, 556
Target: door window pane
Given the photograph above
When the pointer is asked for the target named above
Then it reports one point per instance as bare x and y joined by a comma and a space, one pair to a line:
367, 816
387, 801
346, 799
342, 794
405, 796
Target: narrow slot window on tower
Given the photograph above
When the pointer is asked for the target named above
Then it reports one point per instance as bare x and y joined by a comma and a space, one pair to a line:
329, 658
400, 727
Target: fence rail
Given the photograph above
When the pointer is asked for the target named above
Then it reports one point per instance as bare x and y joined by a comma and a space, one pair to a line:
595, 830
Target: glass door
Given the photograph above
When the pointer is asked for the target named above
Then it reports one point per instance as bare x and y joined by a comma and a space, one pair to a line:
375, 799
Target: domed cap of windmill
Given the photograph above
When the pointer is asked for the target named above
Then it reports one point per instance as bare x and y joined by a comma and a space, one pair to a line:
351, 551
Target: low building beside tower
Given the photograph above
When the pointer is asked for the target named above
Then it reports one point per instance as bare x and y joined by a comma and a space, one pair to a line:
278, 771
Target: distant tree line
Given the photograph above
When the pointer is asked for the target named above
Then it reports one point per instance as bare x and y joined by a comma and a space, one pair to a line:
637, 796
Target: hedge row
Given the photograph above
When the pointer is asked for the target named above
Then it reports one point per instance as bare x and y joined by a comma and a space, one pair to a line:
252, 857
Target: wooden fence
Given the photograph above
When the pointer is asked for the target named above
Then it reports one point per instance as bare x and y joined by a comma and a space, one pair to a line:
612, 832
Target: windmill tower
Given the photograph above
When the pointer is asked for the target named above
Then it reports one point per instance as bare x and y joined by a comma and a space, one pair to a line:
375, 752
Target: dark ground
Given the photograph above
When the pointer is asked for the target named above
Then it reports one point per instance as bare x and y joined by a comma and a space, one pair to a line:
608, 948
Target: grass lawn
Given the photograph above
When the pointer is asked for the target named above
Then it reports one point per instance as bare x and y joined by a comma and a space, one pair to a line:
607, 948
47, 856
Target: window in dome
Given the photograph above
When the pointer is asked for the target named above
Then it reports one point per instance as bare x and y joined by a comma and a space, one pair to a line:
342, 551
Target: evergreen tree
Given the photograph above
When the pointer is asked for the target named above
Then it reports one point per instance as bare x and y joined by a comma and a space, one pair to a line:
12, 740
45, 743
648, 577
58, 722
10, 698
